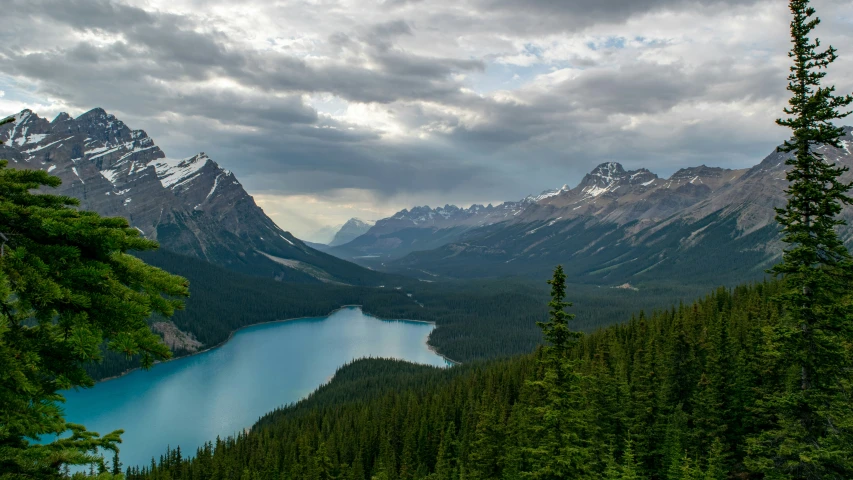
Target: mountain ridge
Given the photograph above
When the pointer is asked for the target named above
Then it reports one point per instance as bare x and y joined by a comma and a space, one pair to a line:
607, 191
619, 226
190, 205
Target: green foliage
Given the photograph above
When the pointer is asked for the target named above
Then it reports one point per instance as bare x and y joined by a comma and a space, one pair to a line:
476, 320
812, 431
556, 330
513, 419
66, 287
561, 436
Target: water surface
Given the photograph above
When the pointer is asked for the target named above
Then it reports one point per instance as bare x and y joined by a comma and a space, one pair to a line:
220, 392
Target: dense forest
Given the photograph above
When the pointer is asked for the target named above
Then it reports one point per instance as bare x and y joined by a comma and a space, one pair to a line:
678, 394
476, 319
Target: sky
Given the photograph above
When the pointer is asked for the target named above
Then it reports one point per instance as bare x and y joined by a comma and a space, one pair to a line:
331, 109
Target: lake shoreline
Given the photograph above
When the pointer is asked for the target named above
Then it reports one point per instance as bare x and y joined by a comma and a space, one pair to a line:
233, 332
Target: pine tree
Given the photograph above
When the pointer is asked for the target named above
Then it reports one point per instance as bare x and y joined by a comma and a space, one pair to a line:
66, 287
630, 471
556, 330
813, 432
445, 466
486, 448
116, 468
563, 433
715, 469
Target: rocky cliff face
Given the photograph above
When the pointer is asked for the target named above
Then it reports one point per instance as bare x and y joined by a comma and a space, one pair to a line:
191, 205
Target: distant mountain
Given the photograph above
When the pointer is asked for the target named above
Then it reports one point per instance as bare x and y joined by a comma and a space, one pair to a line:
425, 228
351, 230
608, 191
702, 224
191, 206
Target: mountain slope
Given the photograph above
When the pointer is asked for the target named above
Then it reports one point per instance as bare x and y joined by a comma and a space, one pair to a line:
701, 225
351, 230
191, 206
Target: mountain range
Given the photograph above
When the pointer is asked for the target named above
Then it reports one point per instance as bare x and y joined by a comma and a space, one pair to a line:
191, 205
701, 223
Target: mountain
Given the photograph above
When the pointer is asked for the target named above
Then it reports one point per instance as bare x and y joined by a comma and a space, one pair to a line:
425, 228
702, 224
191, 206
608, 191
351, 230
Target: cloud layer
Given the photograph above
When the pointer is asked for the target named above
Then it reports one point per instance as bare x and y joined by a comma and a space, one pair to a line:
361, 108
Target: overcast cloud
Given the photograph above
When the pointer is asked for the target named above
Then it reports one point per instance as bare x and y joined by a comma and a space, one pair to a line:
328, 109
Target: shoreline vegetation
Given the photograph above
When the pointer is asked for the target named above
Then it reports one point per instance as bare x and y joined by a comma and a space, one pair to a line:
430, 347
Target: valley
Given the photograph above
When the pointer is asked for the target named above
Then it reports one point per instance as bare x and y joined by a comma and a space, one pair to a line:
676, 303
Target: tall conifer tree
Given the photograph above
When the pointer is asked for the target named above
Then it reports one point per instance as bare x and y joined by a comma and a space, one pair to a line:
813, 434
563, 431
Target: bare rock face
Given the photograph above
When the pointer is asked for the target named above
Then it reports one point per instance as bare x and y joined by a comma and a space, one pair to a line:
190, 206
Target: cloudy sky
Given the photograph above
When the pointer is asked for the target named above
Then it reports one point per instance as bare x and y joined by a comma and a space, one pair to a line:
329, 109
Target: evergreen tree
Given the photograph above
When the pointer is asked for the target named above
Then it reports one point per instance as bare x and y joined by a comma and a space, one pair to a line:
629, 463
813, 431
116, 468
556, 330
715, 469
66, 287
445, 466
563, 428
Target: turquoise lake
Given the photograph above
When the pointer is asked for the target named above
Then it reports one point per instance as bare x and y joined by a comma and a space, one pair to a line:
222, 391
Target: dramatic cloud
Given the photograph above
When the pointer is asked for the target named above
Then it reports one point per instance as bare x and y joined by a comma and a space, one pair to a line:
328, 109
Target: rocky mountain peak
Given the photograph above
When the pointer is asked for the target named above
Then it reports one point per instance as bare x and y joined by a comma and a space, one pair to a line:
189, 205
357, 222
609, 177
62, 117
352, 229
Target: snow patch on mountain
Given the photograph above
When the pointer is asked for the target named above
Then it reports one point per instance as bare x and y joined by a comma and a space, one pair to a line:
110, 175
173, 173
547, 194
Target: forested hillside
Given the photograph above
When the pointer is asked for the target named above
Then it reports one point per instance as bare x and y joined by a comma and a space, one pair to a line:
475, 319
677, 394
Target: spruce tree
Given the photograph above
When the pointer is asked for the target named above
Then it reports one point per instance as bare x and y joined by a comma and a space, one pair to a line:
563, 434
812, 437
556, 330
116, 468
67, 286
629, 463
